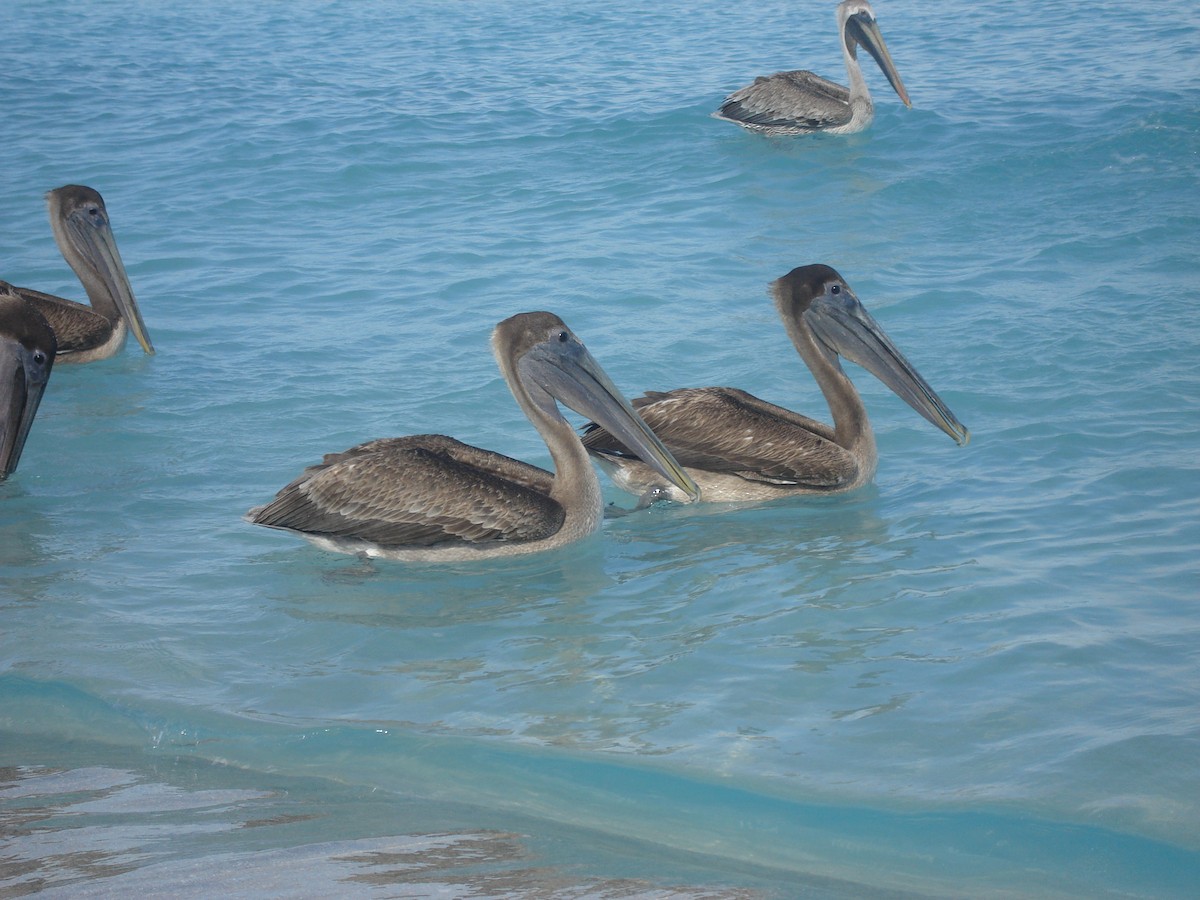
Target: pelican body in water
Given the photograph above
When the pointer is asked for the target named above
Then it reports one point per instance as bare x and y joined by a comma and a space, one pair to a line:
27, 348
738, 447
800, 102
432, 498
85, 239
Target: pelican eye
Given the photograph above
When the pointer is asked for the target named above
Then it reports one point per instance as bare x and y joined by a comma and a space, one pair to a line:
39, 357
835, 289
563, 337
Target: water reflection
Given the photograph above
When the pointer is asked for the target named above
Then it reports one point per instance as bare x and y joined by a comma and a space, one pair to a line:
20, 524
677, 631
779, 533
24, 573
395, 595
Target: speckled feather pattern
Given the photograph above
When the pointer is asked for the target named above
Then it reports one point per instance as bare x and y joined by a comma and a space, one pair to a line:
422, 491
77, 326
730, 432
794, 102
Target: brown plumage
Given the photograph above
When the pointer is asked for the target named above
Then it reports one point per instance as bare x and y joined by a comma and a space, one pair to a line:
710, 426
738, 447
800, 102
85, 239
27, 347
432, 498
506, 499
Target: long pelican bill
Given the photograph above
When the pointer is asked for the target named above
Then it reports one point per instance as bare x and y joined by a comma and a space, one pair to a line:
93, 237
27, 348
864, 29
842, 323
570, 373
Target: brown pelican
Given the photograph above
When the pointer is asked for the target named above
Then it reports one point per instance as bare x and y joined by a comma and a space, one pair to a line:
85, 239
27, 348
429, 497
800, 102
738, 447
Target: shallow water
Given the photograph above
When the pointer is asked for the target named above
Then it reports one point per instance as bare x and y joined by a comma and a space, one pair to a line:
977, 675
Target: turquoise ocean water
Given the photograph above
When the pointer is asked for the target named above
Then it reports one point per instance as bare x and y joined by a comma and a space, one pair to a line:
979, 676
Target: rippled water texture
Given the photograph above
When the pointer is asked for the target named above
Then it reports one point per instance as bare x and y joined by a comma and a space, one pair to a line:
976, 676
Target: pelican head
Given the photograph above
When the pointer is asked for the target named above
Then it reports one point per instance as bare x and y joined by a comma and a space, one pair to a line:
819, 297
857, 25
81, 227
551, 363
27, 348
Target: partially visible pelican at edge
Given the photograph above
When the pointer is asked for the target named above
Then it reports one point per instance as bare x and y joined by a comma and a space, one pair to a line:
800, 102
85, 239
432, 498
27, 348
738, 447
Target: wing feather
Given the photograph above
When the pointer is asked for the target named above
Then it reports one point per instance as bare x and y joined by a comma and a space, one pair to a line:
728, 431
789, 102
77, 326
418, 491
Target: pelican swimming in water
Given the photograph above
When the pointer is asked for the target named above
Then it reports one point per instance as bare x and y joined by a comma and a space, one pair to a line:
85, 239
432, 498
800, 102
27, 348
737, 447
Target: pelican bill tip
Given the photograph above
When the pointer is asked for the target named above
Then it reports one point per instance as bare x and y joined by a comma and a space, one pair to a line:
683, 482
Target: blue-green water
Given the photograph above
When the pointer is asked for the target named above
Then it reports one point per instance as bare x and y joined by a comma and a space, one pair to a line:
977, 676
